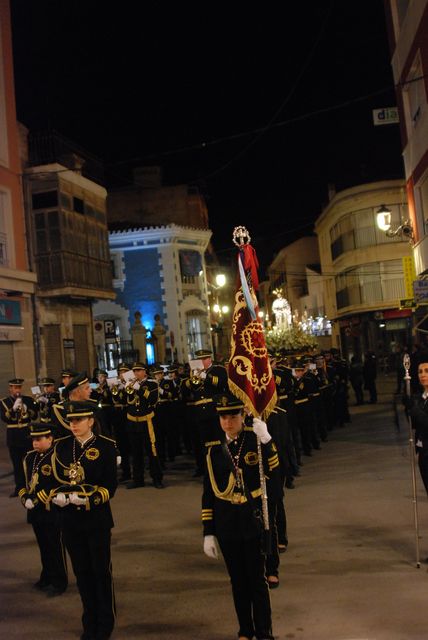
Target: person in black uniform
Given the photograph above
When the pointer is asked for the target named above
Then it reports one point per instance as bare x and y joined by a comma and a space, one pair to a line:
202, 385
142, 398
78, 389
417, 407
231, 510
167, 413
47, 399
84, 467
17, 411
120, 410
34, 491
103, 397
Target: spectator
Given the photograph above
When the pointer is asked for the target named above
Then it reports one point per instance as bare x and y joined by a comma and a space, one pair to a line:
369, 374
357, 379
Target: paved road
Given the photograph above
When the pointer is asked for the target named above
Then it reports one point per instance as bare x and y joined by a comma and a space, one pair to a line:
349, 572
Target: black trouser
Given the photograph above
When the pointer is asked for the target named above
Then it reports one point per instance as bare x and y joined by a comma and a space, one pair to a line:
140, 442
52, 554
358, 390
246, 566
272, 558
370, 385
122, 440
91, 560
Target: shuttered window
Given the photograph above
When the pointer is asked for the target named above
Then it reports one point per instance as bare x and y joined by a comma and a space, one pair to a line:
80, 335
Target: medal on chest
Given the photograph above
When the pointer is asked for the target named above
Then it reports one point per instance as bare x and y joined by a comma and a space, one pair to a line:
75, 473
33, 483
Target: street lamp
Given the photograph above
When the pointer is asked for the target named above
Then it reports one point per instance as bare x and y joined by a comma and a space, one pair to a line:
220, 279
383, 220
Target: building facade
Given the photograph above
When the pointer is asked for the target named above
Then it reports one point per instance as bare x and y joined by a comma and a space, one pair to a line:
407, 22
67, 227
161, 296
17, 281
363, 269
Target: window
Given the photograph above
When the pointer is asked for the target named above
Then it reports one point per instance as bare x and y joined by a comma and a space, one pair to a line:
78, 205
45, 200
414, 94
4, 202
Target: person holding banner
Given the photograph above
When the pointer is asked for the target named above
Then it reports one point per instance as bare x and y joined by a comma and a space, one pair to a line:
232, 511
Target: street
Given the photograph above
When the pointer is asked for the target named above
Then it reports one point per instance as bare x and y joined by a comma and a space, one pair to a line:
348, 574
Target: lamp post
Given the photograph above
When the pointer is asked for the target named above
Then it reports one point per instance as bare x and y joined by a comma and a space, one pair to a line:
383, 221
218, 311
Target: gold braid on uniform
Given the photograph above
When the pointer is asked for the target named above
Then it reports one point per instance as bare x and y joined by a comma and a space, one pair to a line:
223, 495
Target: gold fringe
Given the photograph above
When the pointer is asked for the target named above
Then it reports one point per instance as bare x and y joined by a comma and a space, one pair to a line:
239, 393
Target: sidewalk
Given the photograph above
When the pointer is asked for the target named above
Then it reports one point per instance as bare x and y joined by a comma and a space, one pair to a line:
349, 572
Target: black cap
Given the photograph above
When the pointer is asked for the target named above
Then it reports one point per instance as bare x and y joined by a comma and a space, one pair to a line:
228, 403
41, 429
203, 353
173, 368
122, 366
103, 372
157, 369
139, 365
75, 382
17, 381
68, 372
46, 381
80, 408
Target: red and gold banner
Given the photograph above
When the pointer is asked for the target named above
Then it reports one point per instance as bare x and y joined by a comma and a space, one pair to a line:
250, 373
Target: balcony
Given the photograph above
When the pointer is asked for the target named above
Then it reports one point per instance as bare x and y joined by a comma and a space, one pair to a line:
371, 293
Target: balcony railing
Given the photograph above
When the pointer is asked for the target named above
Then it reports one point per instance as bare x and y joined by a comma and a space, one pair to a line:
369, 293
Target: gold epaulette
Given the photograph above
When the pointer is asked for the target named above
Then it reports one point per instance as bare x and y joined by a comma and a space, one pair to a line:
63, 438
247, 428
212, 443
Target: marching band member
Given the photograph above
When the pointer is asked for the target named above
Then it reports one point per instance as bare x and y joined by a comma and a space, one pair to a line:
231, 511
17, 411
84, 467
35, 488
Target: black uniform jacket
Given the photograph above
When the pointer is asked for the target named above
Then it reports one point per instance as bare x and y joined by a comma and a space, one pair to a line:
418, 411
17, 421
96, 481
142, 401
229, 514
37, 483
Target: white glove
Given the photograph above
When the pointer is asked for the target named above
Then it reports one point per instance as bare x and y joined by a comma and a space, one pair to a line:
203, 375
261, 430
77, 500
118, 460
161, 391
17, 404
210, 547
24, 408
43, 399
61, 500
29, 504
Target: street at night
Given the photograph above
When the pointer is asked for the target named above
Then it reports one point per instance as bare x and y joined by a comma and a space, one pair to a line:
349, 572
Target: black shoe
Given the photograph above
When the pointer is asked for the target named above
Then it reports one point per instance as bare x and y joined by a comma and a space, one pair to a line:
134, 484
158, 484
53, 592
86, 635
282, 548
273, 585
290, 484
14, 494
41, 586
125, 477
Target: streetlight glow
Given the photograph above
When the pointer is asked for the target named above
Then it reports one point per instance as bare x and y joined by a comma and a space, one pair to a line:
220, 279
216, 308
383, 218
225, 308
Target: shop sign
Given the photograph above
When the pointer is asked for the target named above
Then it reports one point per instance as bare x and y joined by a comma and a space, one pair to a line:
420, 291
11, 334
10, 312
408, 303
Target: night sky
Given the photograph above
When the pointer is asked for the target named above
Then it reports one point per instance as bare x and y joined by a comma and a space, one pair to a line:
260, 110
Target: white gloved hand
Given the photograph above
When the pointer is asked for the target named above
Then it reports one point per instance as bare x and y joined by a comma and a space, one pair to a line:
77, 500
261, 430
24, 408
210, 547
118, 460
17, 404
203, 375
29, 504
161, 391
43, 399
61, 500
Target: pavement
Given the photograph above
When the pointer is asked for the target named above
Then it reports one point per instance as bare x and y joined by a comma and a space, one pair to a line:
349, 572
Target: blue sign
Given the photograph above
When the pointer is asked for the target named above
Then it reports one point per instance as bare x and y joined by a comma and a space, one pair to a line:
10, 312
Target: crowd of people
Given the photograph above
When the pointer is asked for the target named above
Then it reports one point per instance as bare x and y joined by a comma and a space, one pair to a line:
97, 432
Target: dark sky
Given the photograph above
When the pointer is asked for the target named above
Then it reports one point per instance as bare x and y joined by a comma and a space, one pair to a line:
147, 83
